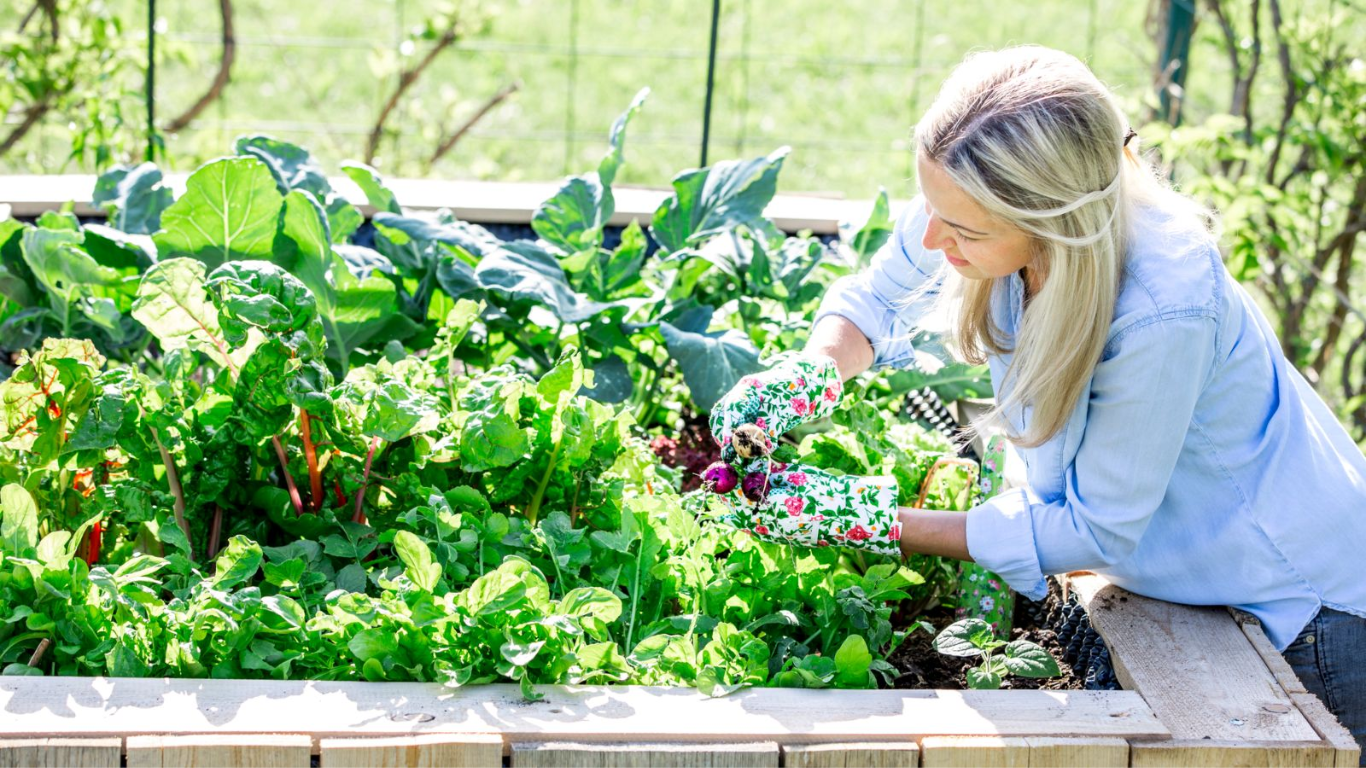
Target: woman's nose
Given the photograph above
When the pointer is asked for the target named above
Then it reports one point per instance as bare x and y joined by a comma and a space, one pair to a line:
934, 237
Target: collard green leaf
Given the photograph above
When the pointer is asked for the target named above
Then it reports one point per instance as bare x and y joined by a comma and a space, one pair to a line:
616, 140
853, 661
708, 201
291, 165
228, 212
133, 197
523, 271
369, 181
62, 267
573, 218
872, 235
711, 363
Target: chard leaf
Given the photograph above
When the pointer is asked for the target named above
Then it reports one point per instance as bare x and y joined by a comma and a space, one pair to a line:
173, 305
228, 212
369, 181
19, 530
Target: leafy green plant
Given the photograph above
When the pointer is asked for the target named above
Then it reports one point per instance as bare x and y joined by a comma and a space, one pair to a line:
970, 638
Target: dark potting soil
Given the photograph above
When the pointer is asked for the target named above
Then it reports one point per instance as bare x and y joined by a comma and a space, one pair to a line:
921, 666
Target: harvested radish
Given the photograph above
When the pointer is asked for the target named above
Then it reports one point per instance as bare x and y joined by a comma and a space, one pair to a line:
720, 478
755, 486
750, 442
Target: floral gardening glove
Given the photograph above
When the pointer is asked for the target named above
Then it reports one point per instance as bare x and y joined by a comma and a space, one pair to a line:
981, 593
797, 390
810, 507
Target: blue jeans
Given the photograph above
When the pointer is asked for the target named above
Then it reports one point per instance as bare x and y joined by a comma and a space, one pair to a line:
1329, 657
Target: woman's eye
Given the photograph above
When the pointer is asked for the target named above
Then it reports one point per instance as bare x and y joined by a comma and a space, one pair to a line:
969, 239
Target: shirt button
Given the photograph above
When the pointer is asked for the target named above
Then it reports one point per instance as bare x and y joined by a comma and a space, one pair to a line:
1309, 639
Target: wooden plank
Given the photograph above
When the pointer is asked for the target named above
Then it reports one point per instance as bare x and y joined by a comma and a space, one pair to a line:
564, 754
1280, 668
1193, 665
886, 754
480, 201
60, 753
1337, 736
1194, 753
974, 751
76, 706
1102, 752
418, 750
257, 750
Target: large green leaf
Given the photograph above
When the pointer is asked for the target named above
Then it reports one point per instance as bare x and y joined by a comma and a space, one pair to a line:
524, 271
369, 181
707, 201
354, 312
872, 235
134, 198
573, 218
612, 160
712, 363
228, 212
19, 530
173, 305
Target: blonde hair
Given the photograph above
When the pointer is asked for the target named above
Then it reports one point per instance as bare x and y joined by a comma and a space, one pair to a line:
1031, 135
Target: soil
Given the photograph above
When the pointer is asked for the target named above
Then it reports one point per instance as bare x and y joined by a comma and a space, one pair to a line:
921, 666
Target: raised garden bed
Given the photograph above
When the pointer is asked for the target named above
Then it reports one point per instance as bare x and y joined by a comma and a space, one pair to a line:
1203, 688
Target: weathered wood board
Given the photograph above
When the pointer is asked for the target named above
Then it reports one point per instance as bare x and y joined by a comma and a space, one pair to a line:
1193, 665
57, 706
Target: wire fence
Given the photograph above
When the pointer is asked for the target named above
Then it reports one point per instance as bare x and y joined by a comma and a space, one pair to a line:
840, 83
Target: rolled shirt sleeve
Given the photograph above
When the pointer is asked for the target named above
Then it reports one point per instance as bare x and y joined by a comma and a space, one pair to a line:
1141, 403
886, 300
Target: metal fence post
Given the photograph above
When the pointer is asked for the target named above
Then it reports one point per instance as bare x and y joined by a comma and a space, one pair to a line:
711, 80
151, 80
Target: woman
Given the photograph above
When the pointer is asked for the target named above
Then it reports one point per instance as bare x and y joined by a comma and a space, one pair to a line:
1168, 442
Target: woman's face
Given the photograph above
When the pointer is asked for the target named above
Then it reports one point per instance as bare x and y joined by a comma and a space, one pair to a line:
976, 244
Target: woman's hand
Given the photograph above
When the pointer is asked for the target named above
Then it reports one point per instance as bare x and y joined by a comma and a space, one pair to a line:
799, 389
810, 507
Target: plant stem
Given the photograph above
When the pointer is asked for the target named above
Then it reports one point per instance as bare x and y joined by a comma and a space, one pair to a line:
315, 477
215, 530
37, 656
173, 480
359, 516
534, 509
289, 479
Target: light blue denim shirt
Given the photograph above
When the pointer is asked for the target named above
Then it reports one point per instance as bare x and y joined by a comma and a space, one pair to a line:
1200, 468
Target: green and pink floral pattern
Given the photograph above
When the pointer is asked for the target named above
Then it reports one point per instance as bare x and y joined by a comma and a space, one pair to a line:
981, 593
797, 390
813, 508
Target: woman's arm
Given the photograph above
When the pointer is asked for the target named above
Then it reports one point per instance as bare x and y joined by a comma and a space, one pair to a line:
867, 318
933, 532
837, 337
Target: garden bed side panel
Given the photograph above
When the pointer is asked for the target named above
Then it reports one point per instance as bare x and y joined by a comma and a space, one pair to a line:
1215, 680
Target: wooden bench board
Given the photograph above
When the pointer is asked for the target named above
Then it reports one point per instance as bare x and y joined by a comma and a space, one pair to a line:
1193, 665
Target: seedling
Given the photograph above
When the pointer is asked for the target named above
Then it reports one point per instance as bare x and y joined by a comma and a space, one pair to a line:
974, 637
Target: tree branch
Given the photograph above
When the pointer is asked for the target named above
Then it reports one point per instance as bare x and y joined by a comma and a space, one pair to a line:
1292, 91
445, 145
220, 80
405, 81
